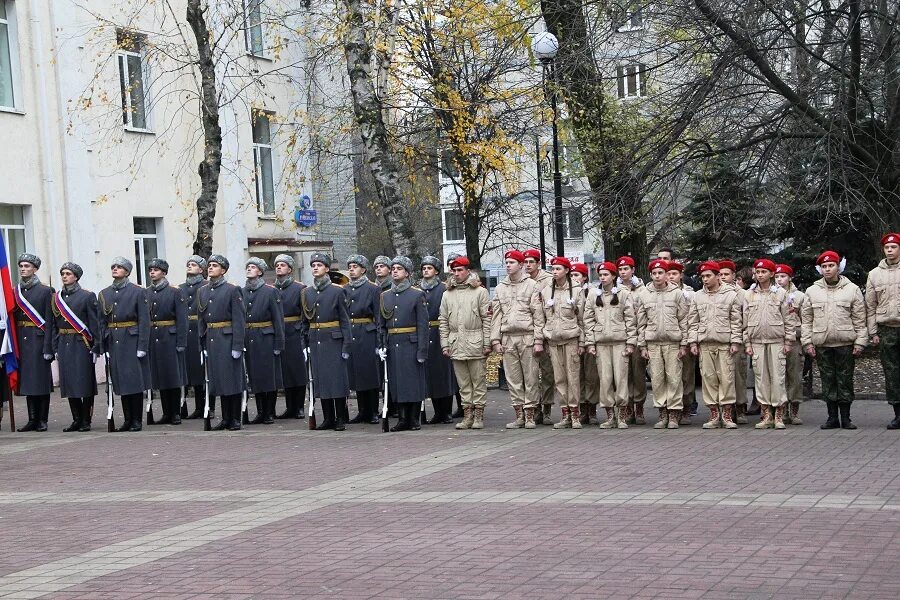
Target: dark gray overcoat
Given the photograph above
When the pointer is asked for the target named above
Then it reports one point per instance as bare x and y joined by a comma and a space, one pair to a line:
364, 367
75, 353
441, 382
192, 352
293, 363
265, 335
130, 374
326, 324
167, 368
35, 377
222, 304
406, 375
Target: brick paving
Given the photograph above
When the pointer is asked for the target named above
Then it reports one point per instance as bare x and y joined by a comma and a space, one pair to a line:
281, 512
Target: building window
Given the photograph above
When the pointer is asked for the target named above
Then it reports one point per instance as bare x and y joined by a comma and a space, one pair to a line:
8, 55
146, 246
454, 230
12, 226
262, 157
253, 27
132, 78
632, 80
447, 166
572, 222
633, 19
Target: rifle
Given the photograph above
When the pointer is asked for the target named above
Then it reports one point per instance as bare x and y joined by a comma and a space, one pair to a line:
385, 425
149, 411
310, 390
110, 399
207, 426
245, 416
184, 409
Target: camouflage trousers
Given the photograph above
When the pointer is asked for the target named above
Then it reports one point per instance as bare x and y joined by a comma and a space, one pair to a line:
890, 361
836, 372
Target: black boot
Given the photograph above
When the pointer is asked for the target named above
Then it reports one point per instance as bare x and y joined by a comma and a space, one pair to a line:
75, 407
459, 409
832, 422
895, 424
42, 412
199, 402
374, 416
126, 414
137, 412
269, 405
299, 394
32, 418
846, 423
327, 415
361, 409
341, 414
175, 407
415, 416
234, 411
87, 413
403, 421
260, 410
166, 418
226, 418
437, 417
448, 407
289, 408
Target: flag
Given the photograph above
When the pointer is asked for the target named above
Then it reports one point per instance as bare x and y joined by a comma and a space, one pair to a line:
9, 348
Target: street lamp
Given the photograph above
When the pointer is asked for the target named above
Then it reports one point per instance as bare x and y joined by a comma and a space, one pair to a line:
545, 47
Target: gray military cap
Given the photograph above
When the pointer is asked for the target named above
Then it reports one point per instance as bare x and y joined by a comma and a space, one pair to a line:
381, 260
358, 259
121, 261
30, 258
433, 261
286, 259
320, 257
403, 262
220, 260
75, 268
260, 263
201, 262
452, 256
158, 263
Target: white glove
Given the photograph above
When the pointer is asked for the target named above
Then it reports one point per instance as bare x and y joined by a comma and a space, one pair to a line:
235, 354
344, 355
93, 357
306, 353
382, 353
277, 352
141, 354
421, 361
2, 325
179, 349
48, 357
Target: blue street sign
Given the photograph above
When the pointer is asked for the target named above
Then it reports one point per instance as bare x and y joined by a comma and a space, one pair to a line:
305, 217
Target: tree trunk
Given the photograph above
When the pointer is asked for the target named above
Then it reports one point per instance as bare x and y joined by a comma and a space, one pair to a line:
211, 165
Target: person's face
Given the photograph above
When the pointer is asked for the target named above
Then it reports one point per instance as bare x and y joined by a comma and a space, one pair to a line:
118, 272
461, 274
156, 274
577, 278
398, 273
559, 273
783, 279
193, 268
282, 268
382, 270
253, 272
607, 278
891, 252
428, 271
763, 276
626, 272
355, 271
675, 276
710, 280
830, 270
67, 277
512, 266
664, 254
726, 275
319, 269
532, 266
659, 277
26, 269
214, 269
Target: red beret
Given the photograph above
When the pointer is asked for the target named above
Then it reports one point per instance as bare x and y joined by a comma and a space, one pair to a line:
607, 266
828, 256
674, 265
515, 255
580, 268
561, 261
532, 253
764, 263
727, 263
708, 265
625, 260
461, 261
659, 263
782, 268
890, 238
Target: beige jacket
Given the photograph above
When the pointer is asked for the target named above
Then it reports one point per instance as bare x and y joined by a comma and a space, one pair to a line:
543, 279
767, 318
465, 320
834, 315
883, 296
610, 323
662, 316
795, 300
715, 317
562, 314
516, 310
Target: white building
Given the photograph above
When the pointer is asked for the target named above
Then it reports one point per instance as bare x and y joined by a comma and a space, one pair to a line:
99, 115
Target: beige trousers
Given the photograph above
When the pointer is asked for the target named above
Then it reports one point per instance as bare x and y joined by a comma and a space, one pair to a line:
546, 379
717, 369
768, 370
521, 369
688, 380
470, 374
566, 372
637, 388
740, 377
793, 374
613, 372
665, 375
590, 383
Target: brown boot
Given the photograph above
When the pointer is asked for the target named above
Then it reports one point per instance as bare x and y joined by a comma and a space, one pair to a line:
685, 418
639, 414
538, 415
741, 414
609, 423
628, 413
565, 422
713, 422
468, 416
592, 414
529, 419
584, 415
620, 421
546, 420
795, 413
663, 419
520, 419
575, 417
765, 418
779, 417
478, 418
726, 417
674, 417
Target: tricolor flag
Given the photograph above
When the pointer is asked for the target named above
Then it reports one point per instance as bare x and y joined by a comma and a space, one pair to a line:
9, 348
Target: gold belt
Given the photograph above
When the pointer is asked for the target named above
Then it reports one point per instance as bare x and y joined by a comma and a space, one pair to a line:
401, 329
162, 323
362, 320
293, 319
259, 324
434, 323
65, 330
121, 324
325, 325
219, 324
193, 317
25, 324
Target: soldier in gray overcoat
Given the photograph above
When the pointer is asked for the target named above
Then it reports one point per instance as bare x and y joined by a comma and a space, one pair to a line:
326, 329
125, 331
221, 325
76, 345
196, 267
293, 359
34, 334
441, 382
264, 340
382, 266
364, 368
403, 337
168, 340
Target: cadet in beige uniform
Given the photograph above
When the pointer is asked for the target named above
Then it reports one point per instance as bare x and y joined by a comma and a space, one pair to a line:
545, 399
793, 368
689, 361
715, 335
883, 318
769, 334
727, 274
589, 382
662, 313
517, 333
637, 392
610, 331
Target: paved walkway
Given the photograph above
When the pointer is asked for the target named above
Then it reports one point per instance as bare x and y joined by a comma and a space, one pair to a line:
282, 512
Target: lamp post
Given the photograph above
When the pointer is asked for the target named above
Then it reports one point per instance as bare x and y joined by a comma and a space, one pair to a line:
545, 47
